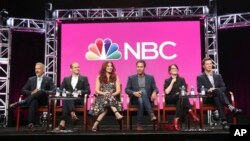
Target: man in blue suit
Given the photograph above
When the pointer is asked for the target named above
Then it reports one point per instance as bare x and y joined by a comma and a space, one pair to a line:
142, 90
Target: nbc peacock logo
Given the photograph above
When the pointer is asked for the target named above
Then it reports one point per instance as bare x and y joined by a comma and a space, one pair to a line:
103, 50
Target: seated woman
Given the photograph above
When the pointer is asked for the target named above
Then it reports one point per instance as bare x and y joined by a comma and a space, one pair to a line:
107, 89
172, 87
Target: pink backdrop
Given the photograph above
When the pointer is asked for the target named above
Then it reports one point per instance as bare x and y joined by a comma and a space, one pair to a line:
155, 42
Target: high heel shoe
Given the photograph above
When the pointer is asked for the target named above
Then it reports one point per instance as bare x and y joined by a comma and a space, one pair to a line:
94, 128
176, 124
194, 118
119, 118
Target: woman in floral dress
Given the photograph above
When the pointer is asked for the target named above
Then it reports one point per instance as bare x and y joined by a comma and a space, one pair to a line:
107, 94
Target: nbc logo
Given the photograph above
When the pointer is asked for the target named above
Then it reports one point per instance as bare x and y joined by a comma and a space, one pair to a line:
103, 50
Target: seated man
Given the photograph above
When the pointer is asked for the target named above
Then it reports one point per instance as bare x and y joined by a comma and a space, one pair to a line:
73, 82
142, 89
215, 86
36, 89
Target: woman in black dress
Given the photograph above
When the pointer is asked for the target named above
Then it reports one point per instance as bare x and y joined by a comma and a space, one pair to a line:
172, 88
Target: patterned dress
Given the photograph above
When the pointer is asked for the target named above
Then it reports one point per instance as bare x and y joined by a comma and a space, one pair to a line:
105, 101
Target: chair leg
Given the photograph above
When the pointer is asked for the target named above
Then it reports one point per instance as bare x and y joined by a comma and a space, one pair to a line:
18, 119
188, 123
164, 116
202, 118
128, 122
54, 118
234, 120
121, 124
159, 118
85, 120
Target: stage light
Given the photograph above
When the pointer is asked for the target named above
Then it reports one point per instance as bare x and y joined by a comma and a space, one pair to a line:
3, 17
10, 22
48, 10
212, 7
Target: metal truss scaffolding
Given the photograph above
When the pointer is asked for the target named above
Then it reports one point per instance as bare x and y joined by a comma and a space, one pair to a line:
26, 24
74, 14
211, 44
5, 53
234, 20
50, 27
119, 13
13, 24
51, 49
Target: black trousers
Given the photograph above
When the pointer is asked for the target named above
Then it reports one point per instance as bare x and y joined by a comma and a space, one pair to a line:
220, 100
33, 101
69, 106
182, 104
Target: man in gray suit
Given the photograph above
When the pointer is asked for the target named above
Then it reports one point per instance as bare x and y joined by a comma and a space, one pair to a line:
36, 91
142, 91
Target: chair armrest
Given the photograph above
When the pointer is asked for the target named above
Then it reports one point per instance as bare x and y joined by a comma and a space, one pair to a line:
156, 101
20, 97
163, 100
92, 98
122, 98
232, 98
128, 99
85, 99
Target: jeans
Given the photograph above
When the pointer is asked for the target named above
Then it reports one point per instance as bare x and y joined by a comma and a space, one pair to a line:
143, 102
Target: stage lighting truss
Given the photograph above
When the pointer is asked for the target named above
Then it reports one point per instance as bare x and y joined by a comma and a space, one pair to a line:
211, 44
234, 20
74, 14
50, 27
5, 51
51, 49
22, 24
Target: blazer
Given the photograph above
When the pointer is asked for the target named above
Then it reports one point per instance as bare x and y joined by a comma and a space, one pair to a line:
133, 86
82, 85
47, 86
203, 80
176, 86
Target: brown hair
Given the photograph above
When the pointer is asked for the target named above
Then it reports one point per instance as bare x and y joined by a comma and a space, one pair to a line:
169, 67
141, 61
102, 73
206, 59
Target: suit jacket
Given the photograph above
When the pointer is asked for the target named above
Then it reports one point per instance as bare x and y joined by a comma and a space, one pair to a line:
82, 85
176, 87
203, 80
133, 86
47, 86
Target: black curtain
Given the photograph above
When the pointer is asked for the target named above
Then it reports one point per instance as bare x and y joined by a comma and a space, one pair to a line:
234, 48
27, 49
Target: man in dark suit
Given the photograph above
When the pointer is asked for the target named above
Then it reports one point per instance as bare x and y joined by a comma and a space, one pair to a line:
74, 82
215, 86
36, 91
142, 90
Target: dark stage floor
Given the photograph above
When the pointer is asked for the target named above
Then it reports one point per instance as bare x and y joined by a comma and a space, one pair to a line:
212, 133
109, 130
